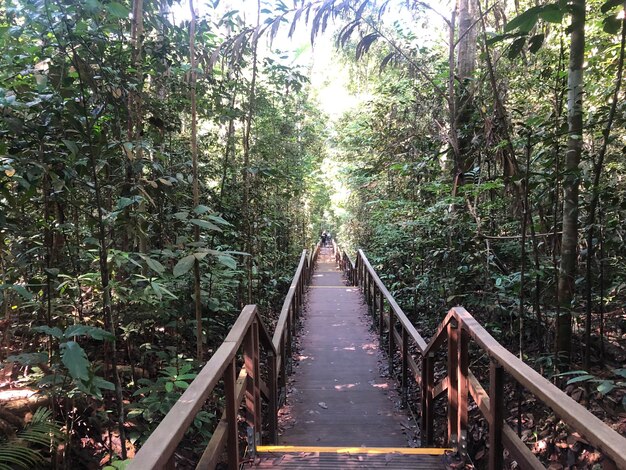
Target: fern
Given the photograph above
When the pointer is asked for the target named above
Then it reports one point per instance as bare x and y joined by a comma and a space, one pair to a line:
16, 452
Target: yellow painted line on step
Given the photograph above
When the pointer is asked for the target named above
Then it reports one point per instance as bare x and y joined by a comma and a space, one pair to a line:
354, 450
333, 287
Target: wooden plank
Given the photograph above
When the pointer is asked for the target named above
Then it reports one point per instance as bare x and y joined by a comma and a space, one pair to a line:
578, 417
242, 324
441, 387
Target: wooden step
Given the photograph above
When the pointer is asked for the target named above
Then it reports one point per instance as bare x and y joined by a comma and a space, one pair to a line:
312, 457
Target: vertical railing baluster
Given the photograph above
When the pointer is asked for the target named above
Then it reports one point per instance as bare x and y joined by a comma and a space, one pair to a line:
258, 418
273, 398
453, 392
391, 343
405, 367
380, 299
428, 384
496, 415
287, 357
251, 379
230, 386
463, 367
282, 383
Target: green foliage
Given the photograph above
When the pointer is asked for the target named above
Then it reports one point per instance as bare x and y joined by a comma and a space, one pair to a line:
157, 397
604, 385
29, 447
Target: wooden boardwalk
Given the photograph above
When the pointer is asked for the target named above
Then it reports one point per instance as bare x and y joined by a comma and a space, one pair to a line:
338, 397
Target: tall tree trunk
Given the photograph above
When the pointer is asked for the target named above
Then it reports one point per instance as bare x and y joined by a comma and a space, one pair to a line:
465, 66
247, 213
595, 195
571, 180
196, 183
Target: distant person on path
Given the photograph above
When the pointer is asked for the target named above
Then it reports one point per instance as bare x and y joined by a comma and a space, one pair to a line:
323, 241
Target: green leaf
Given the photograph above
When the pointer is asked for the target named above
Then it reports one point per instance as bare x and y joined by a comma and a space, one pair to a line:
29, 359
580, 378
620, 372
201, 209
535, 43
124, 202
227, 261
525, 21
205, 224
181, 384
169, 386
184, 265
75, 359
100, 383
516, 47
609, 5
118, 10
20, 290
219, 220
611, 24
71, 146
552, 13
153, 264
52, 331
606, 386
90, 331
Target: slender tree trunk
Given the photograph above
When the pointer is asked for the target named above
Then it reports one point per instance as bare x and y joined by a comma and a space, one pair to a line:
135, 126
247, 213
465, 66
571, 180
196, 183
595, 195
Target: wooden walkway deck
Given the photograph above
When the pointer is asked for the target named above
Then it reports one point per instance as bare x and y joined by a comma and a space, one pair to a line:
337, 396
341, 413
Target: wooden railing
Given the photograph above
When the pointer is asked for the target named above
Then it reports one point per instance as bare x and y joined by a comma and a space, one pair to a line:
457, 330
249, 334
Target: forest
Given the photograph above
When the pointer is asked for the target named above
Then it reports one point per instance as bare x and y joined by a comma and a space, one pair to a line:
164, 164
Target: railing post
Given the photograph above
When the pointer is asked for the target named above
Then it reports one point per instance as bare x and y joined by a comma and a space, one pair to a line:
273, 405
282, 384
381, 313
251, 363
463, 366
428, 417
405, 367
288, 352
232, 446
391, 343
453, 391
496, 415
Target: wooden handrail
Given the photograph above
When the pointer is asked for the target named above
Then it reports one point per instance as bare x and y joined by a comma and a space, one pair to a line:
160, 446
571, 412
248, 333
288, 302
458, 328
395, 308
